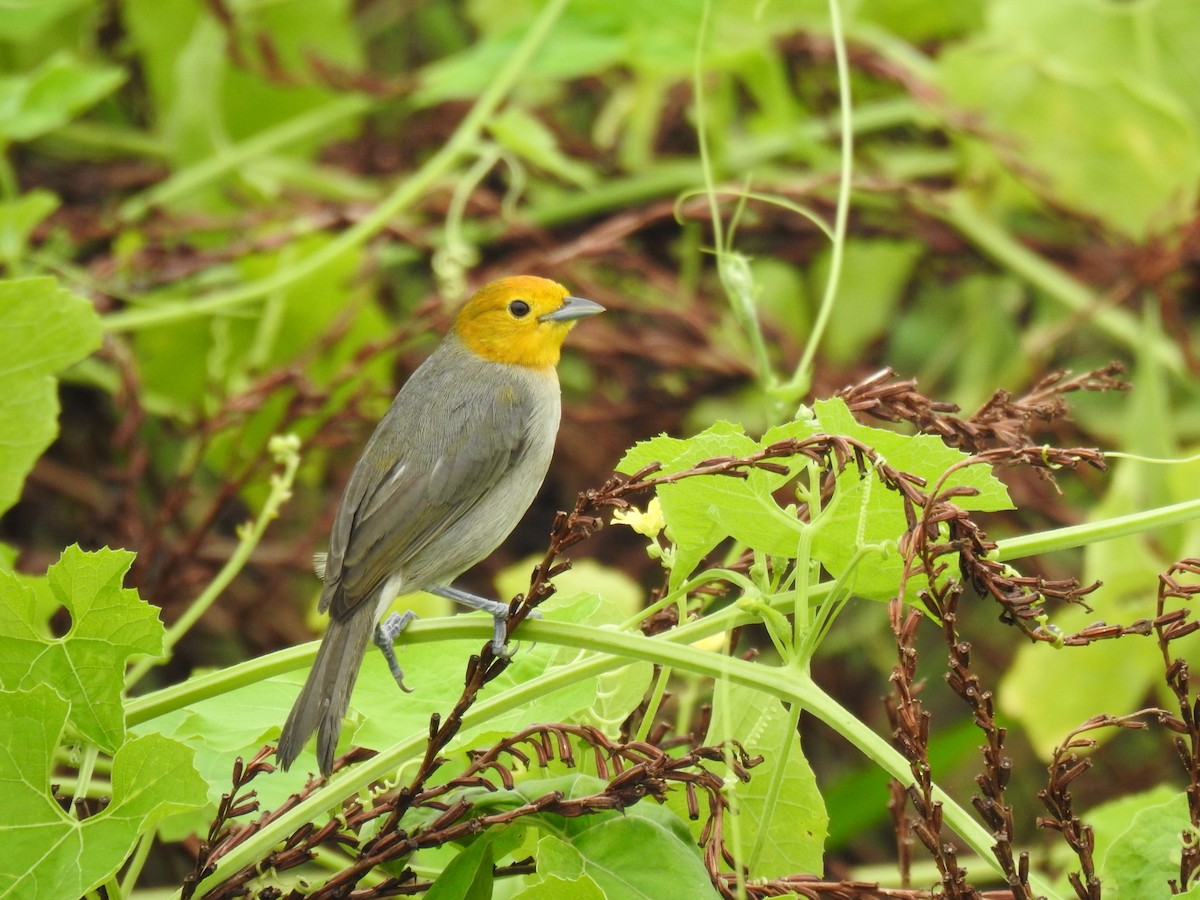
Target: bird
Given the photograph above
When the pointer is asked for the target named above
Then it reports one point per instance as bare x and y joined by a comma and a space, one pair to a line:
448, 473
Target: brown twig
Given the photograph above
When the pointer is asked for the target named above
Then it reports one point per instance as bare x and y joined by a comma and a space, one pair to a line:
1065, 766
1171, 625
634, 771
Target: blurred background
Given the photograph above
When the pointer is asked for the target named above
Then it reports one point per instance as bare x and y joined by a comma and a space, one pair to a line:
276, 205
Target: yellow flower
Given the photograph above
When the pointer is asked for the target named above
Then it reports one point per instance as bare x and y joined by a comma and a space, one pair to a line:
649, 523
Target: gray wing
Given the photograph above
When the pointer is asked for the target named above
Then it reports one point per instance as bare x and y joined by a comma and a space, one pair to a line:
419, 475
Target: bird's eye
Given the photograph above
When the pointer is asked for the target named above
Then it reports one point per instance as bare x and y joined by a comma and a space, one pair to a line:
519, 308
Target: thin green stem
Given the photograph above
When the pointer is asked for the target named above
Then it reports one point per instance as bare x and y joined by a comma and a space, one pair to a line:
653, 703
136, 862
745, 194
706, 577
287, 454
1095, 532
802, 605
457, 253
87, 765
608, 651
701, 108
802, 379
732, 268
670, 177
830, 607
957, 208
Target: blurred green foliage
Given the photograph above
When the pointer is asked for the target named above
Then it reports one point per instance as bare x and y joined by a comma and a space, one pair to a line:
259, 197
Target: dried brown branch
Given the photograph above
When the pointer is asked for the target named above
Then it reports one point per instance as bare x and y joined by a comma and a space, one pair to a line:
1003, 423
634, 771
1065, 766
910, 733
1171, 625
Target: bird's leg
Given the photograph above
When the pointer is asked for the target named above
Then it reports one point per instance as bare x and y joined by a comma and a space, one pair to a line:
498, 611
385, 636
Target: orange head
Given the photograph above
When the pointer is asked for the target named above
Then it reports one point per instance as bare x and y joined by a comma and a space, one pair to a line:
520, 320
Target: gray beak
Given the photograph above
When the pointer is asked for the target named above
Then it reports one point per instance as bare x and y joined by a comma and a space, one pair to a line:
572, 308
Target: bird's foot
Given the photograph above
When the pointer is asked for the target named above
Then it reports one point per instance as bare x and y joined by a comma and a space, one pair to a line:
498, 611
385, 636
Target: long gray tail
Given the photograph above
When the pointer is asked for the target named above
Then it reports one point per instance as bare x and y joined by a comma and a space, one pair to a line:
325, 696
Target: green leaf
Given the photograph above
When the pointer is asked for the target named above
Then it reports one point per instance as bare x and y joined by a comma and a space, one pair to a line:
469, 875
1154, 42
919, 21
203, 99
181, 56
109, 624
25, 20
217, 731
611, 848
43, 329
1117, 142
864, 515
551, 887
252, 102
37, 102
1110, 821
528, 138
788, 825
48, 853
1145, 855
925, 455
863, 521
703, 511
620, 596
18, 218
596, 595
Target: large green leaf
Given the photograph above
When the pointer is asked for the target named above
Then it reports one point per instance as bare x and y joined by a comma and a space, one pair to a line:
25, 20
1144, 856
49, 853
1100, 98
863, 520
43, 329
611, 848
109, 624
781, 813
703, 511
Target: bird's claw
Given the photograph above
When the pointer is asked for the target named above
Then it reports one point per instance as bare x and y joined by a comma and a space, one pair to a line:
385, 636
500, 647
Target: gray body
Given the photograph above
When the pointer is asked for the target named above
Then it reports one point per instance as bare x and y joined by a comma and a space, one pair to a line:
447, 475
